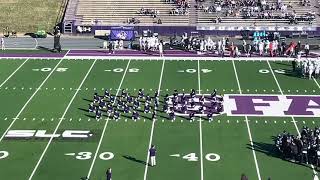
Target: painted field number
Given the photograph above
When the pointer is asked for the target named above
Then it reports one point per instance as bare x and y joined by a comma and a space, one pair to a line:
193, 157
119, 70
194, 70
47, 69
88, 155
4, 154
266, 71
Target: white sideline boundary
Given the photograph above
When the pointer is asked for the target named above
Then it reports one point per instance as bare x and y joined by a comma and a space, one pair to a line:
148, 58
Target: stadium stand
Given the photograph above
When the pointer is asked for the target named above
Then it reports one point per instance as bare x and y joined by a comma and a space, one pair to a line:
238, 13
118, 12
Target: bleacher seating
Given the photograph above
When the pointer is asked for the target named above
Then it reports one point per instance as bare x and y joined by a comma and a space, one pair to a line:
117, 12
209, 18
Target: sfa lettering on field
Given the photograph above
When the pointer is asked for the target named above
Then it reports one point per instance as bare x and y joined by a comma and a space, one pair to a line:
272, 105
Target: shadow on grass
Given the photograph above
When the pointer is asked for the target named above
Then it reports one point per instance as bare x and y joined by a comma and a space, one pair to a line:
271, 150
135, 160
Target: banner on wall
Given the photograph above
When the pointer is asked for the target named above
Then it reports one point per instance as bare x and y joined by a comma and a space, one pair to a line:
122, 33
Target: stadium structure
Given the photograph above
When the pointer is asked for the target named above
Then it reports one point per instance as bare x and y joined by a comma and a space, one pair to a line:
204, 17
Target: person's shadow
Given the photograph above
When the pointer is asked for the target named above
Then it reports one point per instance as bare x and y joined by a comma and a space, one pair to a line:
134, 159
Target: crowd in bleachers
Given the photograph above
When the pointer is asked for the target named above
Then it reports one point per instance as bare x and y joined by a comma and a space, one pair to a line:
149, 12
260, 9
182, 9
303, 148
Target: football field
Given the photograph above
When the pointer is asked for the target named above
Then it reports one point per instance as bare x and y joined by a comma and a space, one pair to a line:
46, 98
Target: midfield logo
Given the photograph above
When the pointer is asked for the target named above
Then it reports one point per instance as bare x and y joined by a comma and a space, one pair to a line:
272, 105
66, 134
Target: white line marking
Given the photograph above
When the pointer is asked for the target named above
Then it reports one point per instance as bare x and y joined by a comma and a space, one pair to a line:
25, 105
70, 154
248, 126
153, 124
293, 120
61, 119
106, 124
13, 73
66, 54
200, 126
313, 80
175, 155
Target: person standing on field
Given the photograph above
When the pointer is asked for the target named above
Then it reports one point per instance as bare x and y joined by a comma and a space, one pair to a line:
109, 174
152, 154
161, 48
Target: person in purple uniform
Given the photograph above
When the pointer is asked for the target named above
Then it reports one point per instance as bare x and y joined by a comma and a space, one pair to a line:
152, 154
109, 174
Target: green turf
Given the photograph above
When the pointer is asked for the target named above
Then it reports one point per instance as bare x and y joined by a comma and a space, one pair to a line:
128, 140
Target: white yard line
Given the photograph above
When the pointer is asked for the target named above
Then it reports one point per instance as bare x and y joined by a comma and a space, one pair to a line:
248, 127
200, 125
68, 53
293, 120
313, 80
61, 119
13, 73
153, 123
25, 105
106, 124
